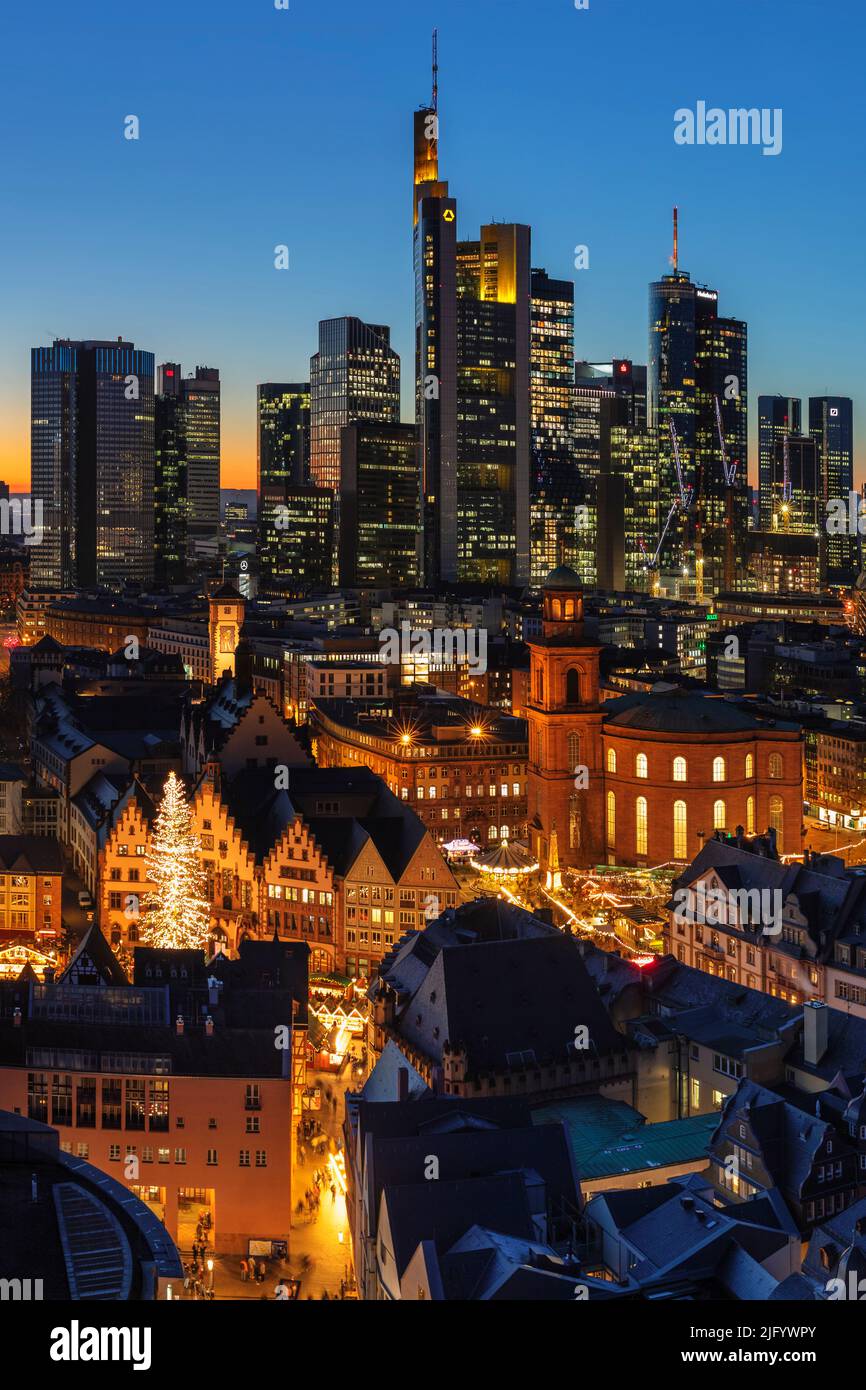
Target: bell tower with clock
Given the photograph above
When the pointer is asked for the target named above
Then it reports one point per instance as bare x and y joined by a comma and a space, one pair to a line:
565, 785
225, 619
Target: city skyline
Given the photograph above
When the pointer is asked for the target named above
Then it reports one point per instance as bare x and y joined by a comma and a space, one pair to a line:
202, 292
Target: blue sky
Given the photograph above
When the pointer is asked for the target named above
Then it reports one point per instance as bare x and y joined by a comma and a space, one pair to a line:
261, 126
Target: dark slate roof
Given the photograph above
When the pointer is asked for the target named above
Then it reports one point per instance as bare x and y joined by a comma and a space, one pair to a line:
226, 591
37, 854
443, 1211
499, 999
681, 712
541, 1149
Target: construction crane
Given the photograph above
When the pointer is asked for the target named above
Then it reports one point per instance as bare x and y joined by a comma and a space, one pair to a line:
681, 503
729, 469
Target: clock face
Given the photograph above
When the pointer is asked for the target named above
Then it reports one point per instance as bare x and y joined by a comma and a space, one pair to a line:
228, 640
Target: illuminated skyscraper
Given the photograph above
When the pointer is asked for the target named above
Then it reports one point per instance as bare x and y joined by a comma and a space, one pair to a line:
380, 506
355, 375
493, 416
831, 425
187, 472
698, 380
282, 458
92, 463
472, 385
778, 417
201, 408
169, 491
556, 490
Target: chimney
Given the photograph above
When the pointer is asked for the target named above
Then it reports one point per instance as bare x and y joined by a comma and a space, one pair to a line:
16, 1017
403, 1083
208, 1027
178, 1025
816, 1024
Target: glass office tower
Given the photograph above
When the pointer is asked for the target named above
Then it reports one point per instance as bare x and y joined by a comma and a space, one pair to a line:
698, 380
831, 425
778, 417
92, 440
282, 461
556, 491
380, 506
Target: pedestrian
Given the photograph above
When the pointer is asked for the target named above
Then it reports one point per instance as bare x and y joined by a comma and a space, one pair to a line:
333, 1194
244, 1271
186, 1278
261, 1271
281, 1292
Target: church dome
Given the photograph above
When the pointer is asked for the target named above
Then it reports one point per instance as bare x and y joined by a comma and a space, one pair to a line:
563, 577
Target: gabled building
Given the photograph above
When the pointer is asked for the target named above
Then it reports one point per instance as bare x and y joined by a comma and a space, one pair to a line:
767, 1143
795, 930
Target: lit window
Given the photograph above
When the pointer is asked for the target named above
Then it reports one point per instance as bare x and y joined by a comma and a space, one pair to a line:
680, 771
750, 765
611, 818
775, 767
719, 818
750, 815
718, 769
640, 826
680, 827
640, 765
611, 760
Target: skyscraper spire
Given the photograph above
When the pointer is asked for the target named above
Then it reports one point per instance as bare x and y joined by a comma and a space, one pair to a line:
435, 102
676, 256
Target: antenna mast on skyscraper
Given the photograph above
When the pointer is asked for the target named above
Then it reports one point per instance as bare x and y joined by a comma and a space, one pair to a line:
435, 69
676, 255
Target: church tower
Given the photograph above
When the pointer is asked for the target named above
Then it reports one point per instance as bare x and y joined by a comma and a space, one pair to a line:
565, 788
225, 620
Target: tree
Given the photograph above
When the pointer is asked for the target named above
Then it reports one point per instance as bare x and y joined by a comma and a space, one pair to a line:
176, 914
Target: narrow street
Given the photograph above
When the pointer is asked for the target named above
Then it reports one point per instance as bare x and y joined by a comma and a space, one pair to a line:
323, 1238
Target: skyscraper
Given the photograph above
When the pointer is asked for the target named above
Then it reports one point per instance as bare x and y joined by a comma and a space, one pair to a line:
610, 423
355, 375
556, 489
201, 409
380, 506
472, 379
698, 381
92, 463
187, 476
282, 458
778, 417
493, 416
831, 425
169, 490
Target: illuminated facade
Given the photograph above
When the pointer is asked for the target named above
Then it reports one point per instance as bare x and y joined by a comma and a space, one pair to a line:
556, 487
831, 425
92, 443
647, 778
380, 506
779, 418
698, 362
282, 460
225, 620
355, 375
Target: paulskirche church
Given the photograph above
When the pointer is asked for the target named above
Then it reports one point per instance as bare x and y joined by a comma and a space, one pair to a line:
645, 778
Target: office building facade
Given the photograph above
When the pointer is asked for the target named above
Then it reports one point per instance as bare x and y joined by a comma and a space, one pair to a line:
380, 506
282, 463
92, 462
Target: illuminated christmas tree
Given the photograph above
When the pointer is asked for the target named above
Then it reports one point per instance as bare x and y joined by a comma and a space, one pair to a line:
176, 913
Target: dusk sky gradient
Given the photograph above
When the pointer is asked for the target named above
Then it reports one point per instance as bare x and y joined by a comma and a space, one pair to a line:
261, 126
